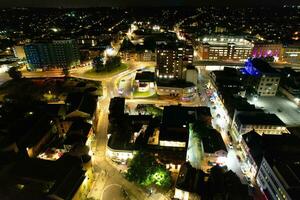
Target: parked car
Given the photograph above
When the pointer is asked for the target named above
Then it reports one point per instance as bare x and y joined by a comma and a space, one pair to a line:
230, 145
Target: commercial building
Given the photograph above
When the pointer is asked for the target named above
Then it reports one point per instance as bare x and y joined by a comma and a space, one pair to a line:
229, 78
145, 81
55, 54
221, 47
263, 123
143, 56
267, 49
213, 150
185, 91
172, 58
291, 53
261, 76
173, 133
254, 146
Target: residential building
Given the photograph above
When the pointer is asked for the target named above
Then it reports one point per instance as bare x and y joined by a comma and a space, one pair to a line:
262, 77
55, 54
172, 58
221, 47
254, 146
279, 177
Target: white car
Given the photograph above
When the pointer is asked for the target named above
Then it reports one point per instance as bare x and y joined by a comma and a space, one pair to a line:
230, 145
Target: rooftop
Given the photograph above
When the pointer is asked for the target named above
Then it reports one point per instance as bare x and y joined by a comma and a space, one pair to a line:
258, 118
175, 84
81, 102
263, 66
213, 142
145, 76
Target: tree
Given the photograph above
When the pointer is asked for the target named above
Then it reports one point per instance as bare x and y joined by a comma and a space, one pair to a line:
146, 171
14, 73
98, 64
113, 62
66, 71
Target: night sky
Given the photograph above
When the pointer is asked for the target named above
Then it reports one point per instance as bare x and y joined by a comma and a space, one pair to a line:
93, 3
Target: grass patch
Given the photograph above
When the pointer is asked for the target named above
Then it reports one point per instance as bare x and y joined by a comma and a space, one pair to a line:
143, 94
92, 74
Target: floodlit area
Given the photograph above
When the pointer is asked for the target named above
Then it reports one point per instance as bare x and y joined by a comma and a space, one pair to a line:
285, 109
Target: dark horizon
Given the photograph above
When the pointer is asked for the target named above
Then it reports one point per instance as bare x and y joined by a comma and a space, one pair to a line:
138, 3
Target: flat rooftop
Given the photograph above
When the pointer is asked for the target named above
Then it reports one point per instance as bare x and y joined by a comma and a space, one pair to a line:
259, 118
263, 66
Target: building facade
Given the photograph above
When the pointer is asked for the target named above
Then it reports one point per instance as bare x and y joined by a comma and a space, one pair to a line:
275, 179
262, 76
171, 60
291, 53
267, 49
222, 47
55, 54
262, 123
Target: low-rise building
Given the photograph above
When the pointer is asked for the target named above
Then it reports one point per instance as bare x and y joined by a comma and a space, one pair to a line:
183, 90
145, 81
262, 123
190, 182
262, 77
213, 150
290, 84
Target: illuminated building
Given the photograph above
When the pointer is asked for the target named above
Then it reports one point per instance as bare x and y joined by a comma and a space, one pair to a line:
19, 52
145, 81
55, 54
222, 47
279, 179
262, 123
262, 77
267, 49
144, 56
172, 58
185, 91
213, 149
291, 53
